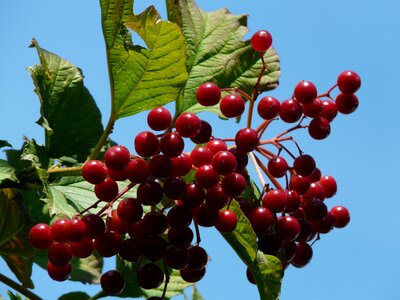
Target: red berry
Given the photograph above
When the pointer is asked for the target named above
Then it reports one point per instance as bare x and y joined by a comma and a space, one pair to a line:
94, 225
312, 109
341, 216
232, 106
293, 201
180, 236
149, 193
194, 195
59, 254
348, 82
303, 255
198, 258
246, 139
106, 190
75, 230
314, 209
315, 191
188, 125
146, 144
201, 156
346, 103
261, 219
58, 232
268, 107
150, 276
319, 128
131, 250
172, 144
182, 164
241, 158
154, 248
208, 94
329, 110
205, 216
216, 198
82, 249
227, 221
159, 118
290, 111
129, 210
299, 183
275, 200
224, 162
233, 184
161, 166
261, 41
305, 92
216, 145
138, 170
206, 176
329, 185
304, 165
108, 244
277, 166
192, 275
117, 158
176, 258
59, 273
179, 216
174, 187
288, 228
204, 135
112, 282
116, 224
40, 236
94, 171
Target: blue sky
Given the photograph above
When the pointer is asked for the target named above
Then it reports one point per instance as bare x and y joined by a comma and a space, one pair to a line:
315, 40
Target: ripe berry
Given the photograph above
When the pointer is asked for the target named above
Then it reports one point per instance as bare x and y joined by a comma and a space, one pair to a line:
161, 166
172, 144
232, 106
174, 187
106, 190
277, 166
154, 248
246, 139
299, 183
261, 219
94, 225
208, 94
117, 158
198, 258
94, 171
180, 236
150, 276
313, 109
131, 250
108, 244
205, 216
293, 201
204, 135
188, 125
325, 225
82, 249
146, 144
112, 282
288, 228
216, 198
182, 164
206, 176
58, 232
116, 224
303, 255
149, 193
176, 258
241, 158
329, 185
227, 221
290, 111
346, 103
138, 170
59, 254
216, 145
159, 118
194, 195
304, 165
305, 92
314, 209
233, 184
315, 191
179, 216
329, 110
319, 128
261, 41
201, 156
191, 275
341, 216
156, 222
75, 230
224, 162
59, 273
129, 210
275, 200
348, 82
268, 107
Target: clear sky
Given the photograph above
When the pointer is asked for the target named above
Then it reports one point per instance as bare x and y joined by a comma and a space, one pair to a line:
316, 40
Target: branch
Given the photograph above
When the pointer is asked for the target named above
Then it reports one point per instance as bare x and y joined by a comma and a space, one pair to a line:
19, 288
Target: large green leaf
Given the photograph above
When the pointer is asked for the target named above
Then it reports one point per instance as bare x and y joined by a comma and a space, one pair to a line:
69, 115
75, 296
142, 78
7, 172
11, 219
217, 52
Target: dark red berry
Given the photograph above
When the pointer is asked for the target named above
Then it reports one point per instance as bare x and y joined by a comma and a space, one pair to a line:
227, 221
112, 282
261, 41
137, 171
216, 145
204, 135
154, 248
206, 176
59, 273
232, 106
329, 185
106, 190
348, 82
117, 158
268, 107
288, 228
224, 162
180, 236
59, 254
159, 118
94, 225
205, 216
208, 94
156, 222
108, 244
172, 144
246, 139
131, 250
346, 103
174, 187
304, 165
329, 110
176, 258
275, 200
82, 249
150, 276
198, 258
241, 158
312, 109
182, 164
319, 128
299, 183
293, 201
290, 111
179, 216
75, 230
201, 156
188, 125
216, 198
191, 275
305, 92
277, 166
194, 195
261, 219
116, 224
341, 216
314, 209
94, 171
303, 255
149, 193
233, 184
161, 166
146, 144
129, 210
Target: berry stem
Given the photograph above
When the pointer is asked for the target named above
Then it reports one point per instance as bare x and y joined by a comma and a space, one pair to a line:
60, 171
265, 170
19, 288
266, 153
255, 91
328, 93
261, 129
257, 167
239, 91
166, 280
122, 192
291, 129
197, 230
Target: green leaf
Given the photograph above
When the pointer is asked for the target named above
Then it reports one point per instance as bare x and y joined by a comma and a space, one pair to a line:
75, 296
69, 115
36, 154
243, 239
15, 296
217, 52
11, 219
4, 143
142, 78
196, 294
7, 172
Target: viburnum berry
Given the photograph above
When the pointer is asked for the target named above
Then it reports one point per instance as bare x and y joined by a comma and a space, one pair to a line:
192, 275
204, 135
188, 125
180, 236
198, 257
241, 158
268, 107
341, 216
233, 184
290, 111
261, 41
227, 221
206, 176
201, 156
216, 145
305, 92
108, 244
314, 209
224, 162
117, 158
59, 273
348, 82
159, 118
75, 230
82, 249
194, 195
304, 165
94, 225
205, 216
116, 224
106, 190
138, 170
319, 128
179, 216
131, 250
299, 183
208, 94
146, 144
346, 103
94, 171
329, 110
149, 193
303, 255
59, 254
150, 276
174, 187
156, 222
161, 166
182, 164
40, 236
315, 191
154, 248
293, 201
216, 198
112, 282
275, 200
232, 105
58, 230
246, 139
261, 219
329, 185
277, 166
325, 225
312, 109
129, 210
288, 228
177, 258
172, 144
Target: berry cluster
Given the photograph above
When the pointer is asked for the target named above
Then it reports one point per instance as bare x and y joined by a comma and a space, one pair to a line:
177, 192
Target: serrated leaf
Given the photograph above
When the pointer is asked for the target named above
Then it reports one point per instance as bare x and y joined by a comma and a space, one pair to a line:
142, 78
69, 115
36, 154
11, 219
75, 296
4, 143
217, 52
7, 172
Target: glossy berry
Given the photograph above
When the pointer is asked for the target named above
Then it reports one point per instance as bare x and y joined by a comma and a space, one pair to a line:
159, 118
326, 225
315, 191
82, 249
176, 258
341, 216
146, 144
261, 41
59, 273
108, 244
205, 216
303, 255
116, 224
216, 198
138, 170
268, 107
198, 258
129, 210
94, 171
329, 110
261, 219
112, 282
304, 165
179, 216
319, 128
216, 145
194, 195
188, 125
75, 230
192, 275
329, 185
201, 156
275, 200
224, 162
299, 183
346, 103
149, 193
232, 106
241, 158
290, 111
227, 221
204, 135
172, 144
94, 225
277, 166
314, 209
161, 166
293, 201
117, 158
180, 236
348, 82
150, 276
174, 187
131, 250
58, 232
106, 190
305, 92
156, 222
288, 228
233, 184
206, 176
59, 254
40, 236
246, 139
312, 109
182, 164
208, 94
